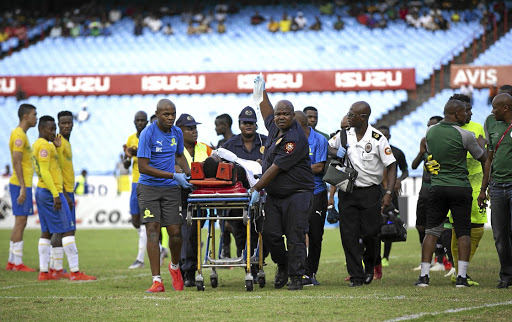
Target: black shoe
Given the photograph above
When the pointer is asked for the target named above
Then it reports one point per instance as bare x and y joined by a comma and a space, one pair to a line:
423, 281
281, 276
189, 279
355, 283
313, 279
462, 282
307, 281
369, 278
504, 284
295, 283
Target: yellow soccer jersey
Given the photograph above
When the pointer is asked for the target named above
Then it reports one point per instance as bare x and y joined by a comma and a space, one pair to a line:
474, 165
19, 142
46, 163
133, 141
66, 165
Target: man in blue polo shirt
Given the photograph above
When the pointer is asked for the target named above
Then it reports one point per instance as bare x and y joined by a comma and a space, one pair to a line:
160, 147
318, 155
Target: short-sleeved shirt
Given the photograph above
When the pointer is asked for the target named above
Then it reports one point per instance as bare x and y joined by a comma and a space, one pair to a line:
133, 141
317, 153
369, 156
201, 152
449, 143
400, 158
160, 148
290, 152
18, 142
474, 166
66, 165
45, 155
501, 171
237, 146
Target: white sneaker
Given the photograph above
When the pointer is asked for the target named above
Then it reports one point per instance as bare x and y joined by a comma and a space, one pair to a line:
136, 264
437, 267
451, 272
417, 268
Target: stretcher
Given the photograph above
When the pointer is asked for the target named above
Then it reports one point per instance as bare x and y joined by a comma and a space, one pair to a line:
219, 195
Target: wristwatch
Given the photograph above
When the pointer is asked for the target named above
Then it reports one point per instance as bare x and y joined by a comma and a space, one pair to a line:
389, 192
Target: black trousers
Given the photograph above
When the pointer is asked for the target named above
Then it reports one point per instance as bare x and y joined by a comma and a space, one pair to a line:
188, 261
240, 234
360, 218
316, 231
287, 216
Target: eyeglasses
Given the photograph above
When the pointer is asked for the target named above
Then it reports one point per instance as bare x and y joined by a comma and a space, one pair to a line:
354, 115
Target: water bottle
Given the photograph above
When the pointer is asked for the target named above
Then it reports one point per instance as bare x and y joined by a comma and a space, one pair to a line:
257, 92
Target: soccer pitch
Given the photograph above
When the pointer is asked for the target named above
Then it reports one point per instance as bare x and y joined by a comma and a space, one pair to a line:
118, 294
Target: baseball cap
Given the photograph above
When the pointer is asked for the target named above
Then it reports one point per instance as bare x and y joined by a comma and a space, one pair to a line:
248, 114
186, 120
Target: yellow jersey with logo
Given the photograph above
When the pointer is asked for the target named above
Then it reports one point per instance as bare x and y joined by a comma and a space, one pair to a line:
18, 142
201, 152
474, 166
133, 141
46, 163
66, 165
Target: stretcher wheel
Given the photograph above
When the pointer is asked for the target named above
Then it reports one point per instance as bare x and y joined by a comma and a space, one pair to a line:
200, 285
245, 216
214, 281
249, 286
261, 281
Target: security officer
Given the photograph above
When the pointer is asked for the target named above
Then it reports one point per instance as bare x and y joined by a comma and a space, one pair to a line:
369, 152
289, 183
248, 145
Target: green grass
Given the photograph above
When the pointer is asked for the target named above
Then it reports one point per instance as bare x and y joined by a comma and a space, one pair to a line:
118, 294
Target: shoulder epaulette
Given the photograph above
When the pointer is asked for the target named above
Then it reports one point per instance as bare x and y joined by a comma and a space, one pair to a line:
376, 135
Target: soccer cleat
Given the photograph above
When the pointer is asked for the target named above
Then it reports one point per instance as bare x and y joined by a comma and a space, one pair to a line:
418, 268
9, 266
281, 277
347, 278
23, 268
423, 281
369, 277
453, 279
313, 278
81, 276
59, 274
504, 284
377, 272
295, 283
437, 267
355, 283
136, 264
307, 281
177, 279
156, 288
451, 273
462, 282
385, 262
447, 264
45, 276
189, 278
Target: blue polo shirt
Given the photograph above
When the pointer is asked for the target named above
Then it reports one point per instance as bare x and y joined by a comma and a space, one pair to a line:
290, 152
317, 153
236, 145
160, 148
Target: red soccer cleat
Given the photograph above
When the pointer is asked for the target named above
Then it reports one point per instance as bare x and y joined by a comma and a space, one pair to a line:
45, 276
23, 268
9, 266
347, 279
377, 272
156, 288
80, 276
59, 274
447, 264
177, 279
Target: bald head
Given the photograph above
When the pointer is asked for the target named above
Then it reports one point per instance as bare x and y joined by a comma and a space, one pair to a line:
141, 115
452, 106
505, 89
362, 107
502, 99
344, 122
301, 118
285, 104
163, 103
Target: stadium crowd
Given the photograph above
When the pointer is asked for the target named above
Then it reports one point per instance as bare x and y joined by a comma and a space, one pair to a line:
457, 182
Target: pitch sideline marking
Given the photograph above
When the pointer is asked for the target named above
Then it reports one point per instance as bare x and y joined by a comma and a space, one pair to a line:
419, 315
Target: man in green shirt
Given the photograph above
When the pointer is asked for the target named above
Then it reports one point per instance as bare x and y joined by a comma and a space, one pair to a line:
499, 140
450, 190
312, 115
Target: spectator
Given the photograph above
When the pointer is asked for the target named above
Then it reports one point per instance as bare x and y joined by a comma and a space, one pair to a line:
55, 32
285, 23
493, 91
153, 22
467, 89
191, 30
221, 27
294, 26
94, 28
114, 15
256, 19
317, 26
339, 24
326, 8
168, 30
204, 28
3, 34
198, 17
455, 16
442, 23
137, 30
83, 115
412, 19
403, 12
427, 22
363, 19
300, 20
273, 26
221, 10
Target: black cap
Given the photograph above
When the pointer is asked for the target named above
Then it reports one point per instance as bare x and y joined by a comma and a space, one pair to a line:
186, 120
248, 114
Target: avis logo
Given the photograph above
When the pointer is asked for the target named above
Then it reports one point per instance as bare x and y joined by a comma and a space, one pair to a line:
173, 83
272, 80
368, 79
475, 76
86, 84
7, 85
